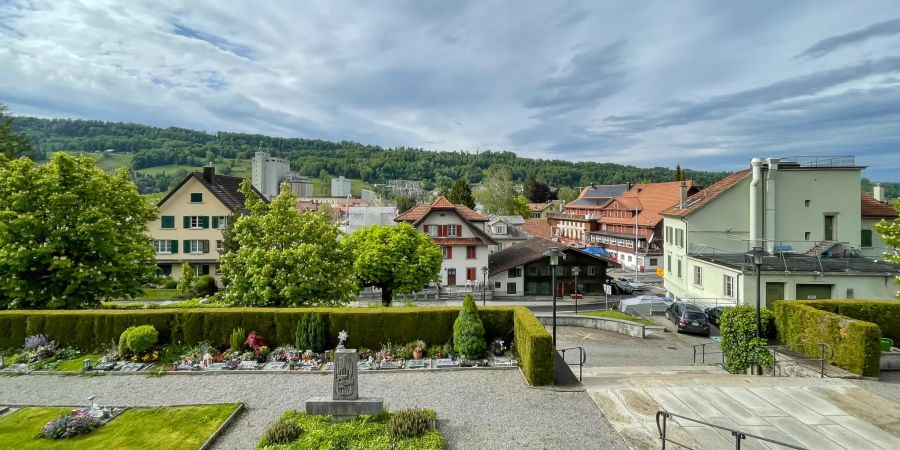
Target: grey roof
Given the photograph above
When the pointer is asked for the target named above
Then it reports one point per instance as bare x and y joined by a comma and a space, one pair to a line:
512, 220
225, 189
589, 201
605, 191
531, 250
855, 265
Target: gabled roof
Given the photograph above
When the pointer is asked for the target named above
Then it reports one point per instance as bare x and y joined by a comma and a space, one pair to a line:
225, 189
649, 199
603, 190
698, 200
539, 207
509, 220
415, 214
525, 252
538, 228
874, 209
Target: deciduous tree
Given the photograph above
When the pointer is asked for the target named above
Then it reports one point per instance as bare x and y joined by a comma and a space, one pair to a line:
890, 235
394, 258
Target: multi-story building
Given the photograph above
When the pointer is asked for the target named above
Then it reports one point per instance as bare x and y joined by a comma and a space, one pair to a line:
267, 173
192, 217
579, 217
460, 232
874, 209
340, 187
593, 197
506, 230
630, 226
301, 186
804, 216
542, 210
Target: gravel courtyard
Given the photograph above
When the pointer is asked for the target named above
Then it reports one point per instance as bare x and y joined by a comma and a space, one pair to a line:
479, 409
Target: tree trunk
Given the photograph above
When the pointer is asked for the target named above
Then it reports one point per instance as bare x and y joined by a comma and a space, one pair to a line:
387, 294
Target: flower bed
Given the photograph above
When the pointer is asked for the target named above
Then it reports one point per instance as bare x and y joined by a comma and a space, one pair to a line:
369, 432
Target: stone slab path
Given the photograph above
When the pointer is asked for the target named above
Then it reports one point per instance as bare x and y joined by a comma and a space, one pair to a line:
809, 412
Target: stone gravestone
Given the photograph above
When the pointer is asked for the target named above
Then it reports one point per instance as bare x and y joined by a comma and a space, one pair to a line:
345, 402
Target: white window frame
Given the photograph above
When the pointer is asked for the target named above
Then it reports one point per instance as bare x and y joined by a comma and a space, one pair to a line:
223, 222
728, 286
166, 246
196, 223
432, 230
453, 230
196, 246
698, 275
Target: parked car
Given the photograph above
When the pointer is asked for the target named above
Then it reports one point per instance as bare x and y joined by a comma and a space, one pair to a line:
688, 318
636, 285
622, 287
713, 314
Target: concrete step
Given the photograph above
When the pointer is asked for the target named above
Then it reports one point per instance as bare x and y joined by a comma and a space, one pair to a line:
653, 370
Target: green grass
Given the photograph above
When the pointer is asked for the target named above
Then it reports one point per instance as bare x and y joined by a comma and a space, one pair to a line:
368, 432
136, 428
160, 294
618, 315
109, 162
74, 365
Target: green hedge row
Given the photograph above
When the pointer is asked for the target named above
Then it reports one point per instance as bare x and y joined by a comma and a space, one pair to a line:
367, 327
884, 313
802, 325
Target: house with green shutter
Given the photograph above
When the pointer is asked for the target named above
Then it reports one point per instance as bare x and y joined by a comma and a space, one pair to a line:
191, 219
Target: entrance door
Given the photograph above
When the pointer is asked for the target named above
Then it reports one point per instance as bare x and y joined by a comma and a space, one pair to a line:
451, 277
829, 227
774, 291
813, 291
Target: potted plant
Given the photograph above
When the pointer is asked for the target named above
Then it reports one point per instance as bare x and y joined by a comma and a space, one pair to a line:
418, 349
262, 354
497, 347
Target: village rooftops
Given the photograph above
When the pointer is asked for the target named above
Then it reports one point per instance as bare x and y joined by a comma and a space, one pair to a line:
419, 212
225, 188
529, 251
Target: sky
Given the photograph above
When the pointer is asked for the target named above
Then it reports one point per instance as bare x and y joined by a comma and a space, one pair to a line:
704, 84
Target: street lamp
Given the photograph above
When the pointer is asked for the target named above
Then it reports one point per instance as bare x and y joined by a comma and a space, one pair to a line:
554, 255
484, 270
575, 272
757, 253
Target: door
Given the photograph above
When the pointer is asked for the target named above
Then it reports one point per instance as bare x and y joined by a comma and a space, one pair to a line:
813, 291
774, 291
829, 228
451, 277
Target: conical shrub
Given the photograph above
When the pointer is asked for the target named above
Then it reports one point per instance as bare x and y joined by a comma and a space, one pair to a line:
468, 331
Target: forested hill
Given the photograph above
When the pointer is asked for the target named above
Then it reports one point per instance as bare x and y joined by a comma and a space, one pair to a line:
152, 146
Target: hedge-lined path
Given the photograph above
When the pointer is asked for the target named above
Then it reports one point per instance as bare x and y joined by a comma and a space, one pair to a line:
483, 409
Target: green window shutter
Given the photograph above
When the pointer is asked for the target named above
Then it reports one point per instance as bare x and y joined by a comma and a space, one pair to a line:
173, 246
204, 221
206, 246
168, 221
215, 221
866, 238
187, 246
187, 221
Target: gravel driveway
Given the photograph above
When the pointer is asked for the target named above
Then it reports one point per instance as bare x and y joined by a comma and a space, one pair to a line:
478, 409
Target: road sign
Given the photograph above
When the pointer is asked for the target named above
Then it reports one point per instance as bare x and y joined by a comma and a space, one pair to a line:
660, 272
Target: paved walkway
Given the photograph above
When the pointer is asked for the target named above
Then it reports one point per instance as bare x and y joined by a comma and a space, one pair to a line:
477, 409
810, 412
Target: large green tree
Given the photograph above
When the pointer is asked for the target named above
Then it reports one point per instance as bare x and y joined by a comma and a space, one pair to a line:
12, 145
567, 194
71, 235
537, 192
500, 196
397, 259
284, 257
461, 194
890, 235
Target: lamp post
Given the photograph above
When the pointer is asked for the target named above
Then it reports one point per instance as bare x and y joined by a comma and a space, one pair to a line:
575, 272
758, 254
554, 255
484, 271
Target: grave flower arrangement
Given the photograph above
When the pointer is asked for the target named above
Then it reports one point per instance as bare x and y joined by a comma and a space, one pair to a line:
497, 347
81, 422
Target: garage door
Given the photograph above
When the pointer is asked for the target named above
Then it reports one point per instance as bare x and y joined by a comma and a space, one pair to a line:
813, 291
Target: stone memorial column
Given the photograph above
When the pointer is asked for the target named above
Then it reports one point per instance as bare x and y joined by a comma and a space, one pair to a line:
346, 378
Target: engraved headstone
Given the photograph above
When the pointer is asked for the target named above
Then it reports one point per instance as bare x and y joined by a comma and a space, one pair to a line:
345, 374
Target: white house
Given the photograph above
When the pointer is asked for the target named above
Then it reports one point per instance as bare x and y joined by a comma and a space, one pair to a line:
461, 233
805, 215
506, 230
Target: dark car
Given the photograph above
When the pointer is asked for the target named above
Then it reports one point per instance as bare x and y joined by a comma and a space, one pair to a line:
713, 314
688, 318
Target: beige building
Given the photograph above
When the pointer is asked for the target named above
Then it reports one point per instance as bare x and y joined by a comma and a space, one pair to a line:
807, 216
191, 219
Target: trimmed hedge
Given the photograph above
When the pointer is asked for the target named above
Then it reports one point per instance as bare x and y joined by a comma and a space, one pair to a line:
803, 326
367, 327
884, 313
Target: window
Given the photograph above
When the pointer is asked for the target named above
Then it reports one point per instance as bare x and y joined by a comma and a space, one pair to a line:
591, 270
679, 238
698, 275
219, 246
545, 271
431, 230
865, 238
164, 270
196, 222
560, 271
471, 274
679, 268
515, 272
196, 246
470, 252
452, 230
196, 197
806, 203
220, 222
668, 263
653, 261
201, 269
500, 246
499, 229
728, 286
510, 288
807, 235
497, 285
532, 270
535, 215
168, 222
448, 251
165, 247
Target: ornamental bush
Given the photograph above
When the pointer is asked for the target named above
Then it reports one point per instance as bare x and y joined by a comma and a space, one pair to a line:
204, 286
137, 339
468, 331
237, 339
284, 431
312, 333
740, 346
410, 423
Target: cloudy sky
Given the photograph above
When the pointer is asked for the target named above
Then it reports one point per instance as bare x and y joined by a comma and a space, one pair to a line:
707, 84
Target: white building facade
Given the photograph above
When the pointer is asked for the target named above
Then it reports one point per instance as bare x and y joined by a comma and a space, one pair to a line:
267, 173
340, 187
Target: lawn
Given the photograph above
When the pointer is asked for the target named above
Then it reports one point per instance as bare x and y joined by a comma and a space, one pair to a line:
369, 432
618, 315
109, 162
136, 428
74, 365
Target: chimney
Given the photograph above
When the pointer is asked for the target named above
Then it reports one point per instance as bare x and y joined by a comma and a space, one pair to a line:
878, 192
209, 174
683, 196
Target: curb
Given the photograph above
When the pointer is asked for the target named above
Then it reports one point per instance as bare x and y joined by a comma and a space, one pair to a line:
226, 424
150, 373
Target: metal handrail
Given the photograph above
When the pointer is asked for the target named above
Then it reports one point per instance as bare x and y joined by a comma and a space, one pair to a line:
821, 359
738, 434
581, 360
703, 353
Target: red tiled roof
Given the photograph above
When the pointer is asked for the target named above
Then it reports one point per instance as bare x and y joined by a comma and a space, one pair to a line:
442, 203
649, 199
538, 228
873, 208
538, 207
705, 196
419, 212
457, 241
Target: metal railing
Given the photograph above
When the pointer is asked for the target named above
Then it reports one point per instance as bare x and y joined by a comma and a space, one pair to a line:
581, 359
822, 359
703, 353
737, 434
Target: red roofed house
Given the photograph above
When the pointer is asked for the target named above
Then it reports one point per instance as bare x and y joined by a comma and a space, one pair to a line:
461, 233
873, 210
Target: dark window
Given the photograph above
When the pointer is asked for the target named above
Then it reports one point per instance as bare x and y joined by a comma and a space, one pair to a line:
168, 221
515, 272
196, 197
865, 238
471, 274
510, 288
497, 285
470, 252
690, 315
532, 270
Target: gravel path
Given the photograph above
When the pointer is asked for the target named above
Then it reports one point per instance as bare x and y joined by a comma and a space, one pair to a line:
484, 409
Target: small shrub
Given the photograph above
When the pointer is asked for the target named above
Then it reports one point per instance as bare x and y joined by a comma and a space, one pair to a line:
282, 432
204, 286
409, 423
170, 284
237, 339
123, 343
740, 346
468, 331
142, 338
255, 341
69, 426
311, 333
